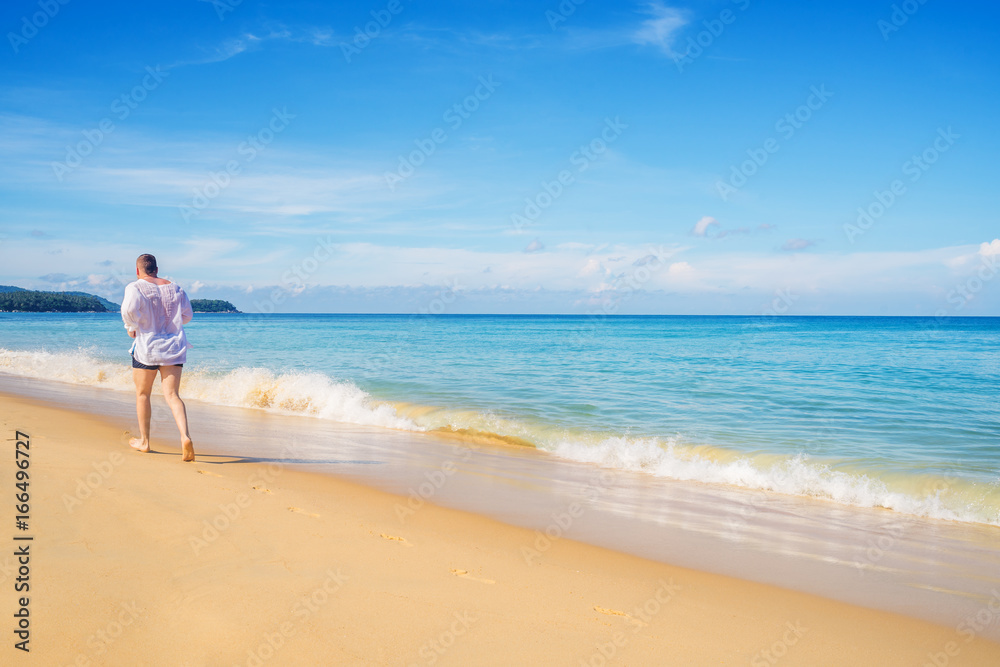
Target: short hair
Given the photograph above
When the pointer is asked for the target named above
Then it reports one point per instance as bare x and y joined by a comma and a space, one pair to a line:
147, 263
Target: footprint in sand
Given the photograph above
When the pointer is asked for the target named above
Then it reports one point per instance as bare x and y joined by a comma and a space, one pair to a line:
393, 538
205, 472
302, 511
262, 489
615, 612
464, 574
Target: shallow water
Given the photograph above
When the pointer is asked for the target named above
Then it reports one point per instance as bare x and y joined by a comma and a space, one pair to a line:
896, 413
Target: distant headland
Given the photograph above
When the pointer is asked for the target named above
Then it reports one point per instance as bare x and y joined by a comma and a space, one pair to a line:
212, 306
18, 299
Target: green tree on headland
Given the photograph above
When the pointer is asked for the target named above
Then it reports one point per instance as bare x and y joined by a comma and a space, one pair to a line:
212, 306
29, 301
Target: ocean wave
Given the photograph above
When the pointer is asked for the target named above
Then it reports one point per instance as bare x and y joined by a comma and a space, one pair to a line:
320, 396
932, 496
306, 394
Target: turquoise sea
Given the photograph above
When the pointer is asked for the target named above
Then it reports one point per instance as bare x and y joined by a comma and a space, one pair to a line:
900, 413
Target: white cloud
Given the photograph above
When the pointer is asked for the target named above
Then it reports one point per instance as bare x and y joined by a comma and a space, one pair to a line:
249, 41
279, 187
990, 249
862, 283
680, 269
701, 227
661, 30
592, 266
793, 245
969, 260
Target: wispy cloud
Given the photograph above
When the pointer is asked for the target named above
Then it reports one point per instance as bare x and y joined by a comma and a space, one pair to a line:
250, 41
706, 224
986, 252
136, 169
534, 246
794, 245
661, 30
701, 227
218, 53
676, 279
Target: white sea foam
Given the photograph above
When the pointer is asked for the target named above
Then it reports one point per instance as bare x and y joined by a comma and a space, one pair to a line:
74, 367
939, 498
308, 394
319, 396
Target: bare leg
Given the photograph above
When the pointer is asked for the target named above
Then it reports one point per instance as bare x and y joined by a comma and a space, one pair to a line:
170, 380
143, 386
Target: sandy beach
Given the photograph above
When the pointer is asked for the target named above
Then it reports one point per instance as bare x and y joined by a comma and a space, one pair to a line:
141, 559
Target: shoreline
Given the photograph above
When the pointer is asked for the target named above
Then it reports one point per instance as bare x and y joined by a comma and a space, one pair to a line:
140, 547
939, 571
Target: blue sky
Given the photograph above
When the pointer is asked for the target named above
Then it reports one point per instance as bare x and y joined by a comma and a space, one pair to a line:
701, 157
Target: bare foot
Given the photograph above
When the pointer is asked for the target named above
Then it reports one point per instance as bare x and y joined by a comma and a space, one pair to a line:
138, 444
188, 448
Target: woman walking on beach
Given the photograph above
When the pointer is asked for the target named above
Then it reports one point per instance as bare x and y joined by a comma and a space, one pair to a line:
155, 311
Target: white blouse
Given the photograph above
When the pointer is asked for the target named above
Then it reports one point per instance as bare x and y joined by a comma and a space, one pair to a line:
157, 313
